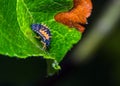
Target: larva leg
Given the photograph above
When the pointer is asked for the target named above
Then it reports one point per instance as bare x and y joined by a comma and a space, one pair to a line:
38, 37
44, 45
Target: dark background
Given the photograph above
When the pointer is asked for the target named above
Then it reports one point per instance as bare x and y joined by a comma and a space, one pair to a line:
103, 69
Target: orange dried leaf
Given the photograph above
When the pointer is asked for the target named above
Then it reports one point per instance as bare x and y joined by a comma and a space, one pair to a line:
77, 16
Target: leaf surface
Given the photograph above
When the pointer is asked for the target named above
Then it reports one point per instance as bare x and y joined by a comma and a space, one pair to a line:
17, 39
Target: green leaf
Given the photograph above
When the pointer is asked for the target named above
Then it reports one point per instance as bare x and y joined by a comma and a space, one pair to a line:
17, 38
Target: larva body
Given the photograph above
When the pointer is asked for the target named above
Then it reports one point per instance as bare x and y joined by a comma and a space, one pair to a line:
43, 32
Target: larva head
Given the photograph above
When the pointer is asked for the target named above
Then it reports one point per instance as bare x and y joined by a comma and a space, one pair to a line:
35, 27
